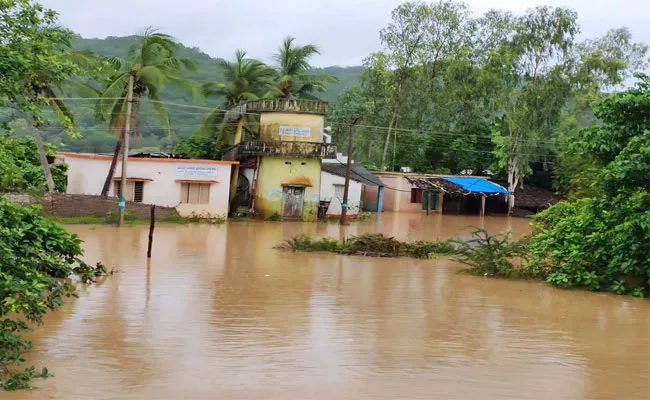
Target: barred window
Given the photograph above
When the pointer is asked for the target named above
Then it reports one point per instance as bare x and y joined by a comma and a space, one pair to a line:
134, 191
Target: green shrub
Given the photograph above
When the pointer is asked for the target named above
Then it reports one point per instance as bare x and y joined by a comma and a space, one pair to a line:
603, 242
36, 255
493, 255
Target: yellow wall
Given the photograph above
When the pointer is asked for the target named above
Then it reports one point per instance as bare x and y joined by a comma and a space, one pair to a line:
274, 173
270, 126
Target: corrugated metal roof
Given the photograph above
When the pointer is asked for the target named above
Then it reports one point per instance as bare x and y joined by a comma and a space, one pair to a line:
477, 185
358, 173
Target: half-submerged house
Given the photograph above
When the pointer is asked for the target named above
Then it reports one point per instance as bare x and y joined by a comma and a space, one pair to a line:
280, 145
198, 188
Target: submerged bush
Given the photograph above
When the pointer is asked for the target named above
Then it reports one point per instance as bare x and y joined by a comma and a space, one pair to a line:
274, 217
373, 243
370, 244
422, 249
306, 243
493, 255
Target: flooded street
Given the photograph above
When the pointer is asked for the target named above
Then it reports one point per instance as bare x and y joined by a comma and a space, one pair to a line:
219, 314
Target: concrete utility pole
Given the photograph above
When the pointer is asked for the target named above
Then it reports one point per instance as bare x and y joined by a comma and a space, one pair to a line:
344, 205
125, 151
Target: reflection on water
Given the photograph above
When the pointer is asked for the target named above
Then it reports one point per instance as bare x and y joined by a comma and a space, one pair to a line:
219, 314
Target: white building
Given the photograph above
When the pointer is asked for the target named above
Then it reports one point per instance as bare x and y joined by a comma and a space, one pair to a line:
332, 186
194, 187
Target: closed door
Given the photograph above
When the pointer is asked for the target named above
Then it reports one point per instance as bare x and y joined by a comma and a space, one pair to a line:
292, 201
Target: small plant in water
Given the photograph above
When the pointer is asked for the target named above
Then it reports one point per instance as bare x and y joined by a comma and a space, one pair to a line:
273, 217
492, 255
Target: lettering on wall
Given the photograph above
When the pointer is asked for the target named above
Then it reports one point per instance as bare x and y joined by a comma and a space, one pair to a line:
196, 171
295, 131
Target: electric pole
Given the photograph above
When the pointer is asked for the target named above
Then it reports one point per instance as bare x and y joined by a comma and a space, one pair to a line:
125, 150
344, 205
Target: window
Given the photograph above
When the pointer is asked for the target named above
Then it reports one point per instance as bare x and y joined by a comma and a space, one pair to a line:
134, 191
416, 195
338, 191
195, 193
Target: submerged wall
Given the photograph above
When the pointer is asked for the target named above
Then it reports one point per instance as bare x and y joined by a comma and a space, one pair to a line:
277, 172
328, 193
84, 205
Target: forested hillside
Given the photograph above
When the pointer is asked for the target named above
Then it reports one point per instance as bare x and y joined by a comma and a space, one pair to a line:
94, 134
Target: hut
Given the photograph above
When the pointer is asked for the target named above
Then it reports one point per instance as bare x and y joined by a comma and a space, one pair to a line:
459, 195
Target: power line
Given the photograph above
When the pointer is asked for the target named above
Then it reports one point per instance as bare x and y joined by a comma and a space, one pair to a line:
429, 132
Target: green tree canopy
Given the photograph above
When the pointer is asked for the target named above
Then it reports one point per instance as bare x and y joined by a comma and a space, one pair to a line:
601, 243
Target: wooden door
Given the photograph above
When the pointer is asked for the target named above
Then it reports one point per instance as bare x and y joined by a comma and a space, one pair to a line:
292, 201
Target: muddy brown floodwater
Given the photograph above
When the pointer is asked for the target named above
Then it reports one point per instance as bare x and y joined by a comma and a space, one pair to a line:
220, 314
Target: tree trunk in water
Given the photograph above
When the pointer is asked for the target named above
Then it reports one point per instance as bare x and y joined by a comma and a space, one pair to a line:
41, 152
111, 170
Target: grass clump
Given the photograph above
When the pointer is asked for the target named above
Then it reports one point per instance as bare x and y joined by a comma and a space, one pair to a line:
306, 243
423, 249
371, 244
111, 218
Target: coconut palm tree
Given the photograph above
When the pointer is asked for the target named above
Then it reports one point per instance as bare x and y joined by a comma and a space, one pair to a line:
153, 63
244, 79
293, 72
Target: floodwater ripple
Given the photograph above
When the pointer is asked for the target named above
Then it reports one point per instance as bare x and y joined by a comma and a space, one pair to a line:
219, 314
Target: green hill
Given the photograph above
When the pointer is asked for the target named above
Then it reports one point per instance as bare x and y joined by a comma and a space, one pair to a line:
185, 120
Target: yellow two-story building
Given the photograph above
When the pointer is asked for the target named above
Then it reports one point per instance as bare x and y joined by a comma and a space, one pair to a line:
280, 144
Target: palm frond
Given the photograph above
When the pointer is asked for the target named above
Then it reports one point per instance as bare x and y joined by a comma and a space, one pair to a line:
189, 64
153, 76
55, 104
116, 88
191, 88
213, 88
82, 89
119, 64
211, 123
118, 116
161, 112
84, 59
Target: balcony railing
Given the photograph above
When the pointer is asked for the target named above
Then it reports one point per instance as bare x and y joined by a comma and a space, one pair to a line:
253, 148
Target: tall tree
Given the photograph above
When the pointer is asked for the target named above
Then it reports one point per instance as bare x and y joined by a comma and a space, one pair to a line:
294, 78
533, 101
34, 60
423, 35
154, 63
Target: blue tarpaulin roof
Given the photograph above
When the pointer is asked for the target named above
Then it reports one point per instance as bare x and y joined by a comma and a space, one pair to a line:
477, 185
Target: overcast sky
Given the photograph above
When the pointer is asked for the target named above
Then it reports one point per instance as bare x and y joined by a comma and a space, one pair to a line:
345, 30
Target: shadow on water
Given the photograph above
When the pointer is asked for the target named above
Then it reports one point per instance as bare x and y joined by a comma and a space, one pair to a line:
219, 314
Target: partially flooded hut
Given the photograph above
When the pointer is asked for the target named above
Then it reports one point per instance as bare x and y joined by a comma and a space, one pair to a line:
459, 195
